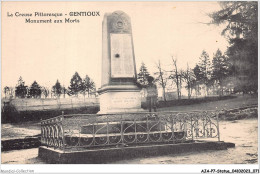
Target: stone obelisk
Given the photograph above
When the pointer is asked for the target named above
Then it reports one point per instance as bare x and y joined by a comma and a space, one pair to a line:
118, 92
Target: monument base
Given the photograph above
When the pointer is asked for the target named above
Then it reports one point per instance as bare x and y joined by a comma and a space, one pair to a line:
120, 99
111, 154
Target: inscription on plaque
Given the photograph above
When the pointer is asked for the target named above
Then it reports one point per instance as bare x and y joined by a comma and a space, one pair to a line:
124, 101
122, 60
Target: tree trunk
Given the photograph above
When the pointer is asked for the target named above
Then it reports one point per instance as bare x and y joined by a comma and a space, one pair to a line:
198, 89
180, 86
177, 84
164, 95
189, 92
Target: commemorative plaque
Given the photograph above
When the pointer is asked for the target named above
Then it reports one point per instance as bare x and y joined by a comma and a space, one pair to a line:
122, 64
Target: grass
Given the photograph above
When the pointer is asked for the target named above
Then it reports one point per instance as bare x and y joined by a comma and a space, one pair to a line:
14, 116
239, 101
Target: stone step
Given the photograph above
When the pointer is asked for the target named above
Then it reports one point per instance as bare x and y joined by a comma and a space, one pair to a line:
128, 126
115, 138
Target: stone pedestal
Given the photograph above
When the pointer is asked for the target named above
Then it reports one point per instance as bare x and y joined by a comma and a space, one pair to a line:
116, 99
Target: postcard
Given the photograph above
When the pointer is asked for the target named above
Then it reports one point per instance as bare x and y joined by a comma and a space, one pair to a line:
122, 84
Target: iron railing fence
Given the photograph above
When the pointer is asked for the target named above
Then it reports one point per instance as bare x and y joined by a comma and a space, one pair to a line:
93, 130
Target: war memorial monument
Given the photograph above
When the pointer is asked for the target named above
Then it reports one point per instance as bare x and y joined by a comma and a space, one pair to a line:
119, 92
122, 129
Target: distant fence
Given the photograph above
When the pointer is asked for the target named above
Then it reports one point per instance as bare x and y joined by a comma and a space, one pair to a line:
68, 132
52, 104
18, 110
30, 104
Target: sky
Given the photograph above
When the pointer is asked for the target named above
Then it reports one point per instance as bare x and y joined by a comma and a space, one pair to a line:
47, 52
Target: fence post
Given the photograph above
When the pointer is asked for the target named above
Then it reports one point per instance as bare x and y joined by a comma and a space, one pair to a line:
147, 128
63, 136
218, 127
135, 128
173, 136
41, 132
42, 104
191, 126
185, 130
160, 127
122, 130
107, 130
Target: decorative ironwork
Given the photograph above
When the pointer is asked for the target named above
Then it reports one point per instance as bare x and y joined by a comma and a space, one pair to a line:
52, 133
93, 130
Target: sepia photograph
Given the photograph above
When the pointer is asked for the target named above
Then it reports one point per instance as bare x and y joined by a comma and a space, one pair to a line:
129, 83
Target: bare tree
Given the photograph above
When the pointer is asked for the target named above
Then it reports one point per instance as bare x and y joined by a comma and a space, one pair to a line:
161, 78
45, 91
176, 77
64, 91
189, 78
180, 81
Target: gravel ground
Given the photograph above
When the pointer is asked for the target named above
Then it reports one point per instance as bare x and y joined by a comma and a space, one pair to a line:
244, 133
20, 130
